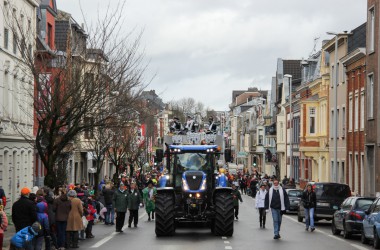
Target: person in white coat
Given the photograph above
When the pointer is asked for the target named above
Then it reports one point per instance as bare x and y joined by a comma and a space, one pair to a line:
260, 204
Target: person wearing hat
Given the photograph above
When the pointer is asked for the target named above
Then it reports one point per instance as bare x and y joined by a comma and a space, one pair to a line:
260, 204
24, 239
120, 203
24, 211
189, 124
74, 220
134, 201
149, 198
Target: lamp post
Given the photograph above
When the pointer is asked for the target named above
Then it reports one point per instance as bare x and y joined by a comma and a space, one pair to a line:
291, 126
335, 121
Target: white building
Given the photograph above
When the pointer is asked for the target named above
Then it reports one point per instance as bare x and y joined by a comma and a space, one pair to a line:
16, 96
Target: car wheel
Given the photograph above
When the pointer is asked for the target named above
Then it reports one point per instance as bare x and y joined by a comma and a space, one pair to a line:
363, 239
346, 234
334, 230
299, 217
376, 240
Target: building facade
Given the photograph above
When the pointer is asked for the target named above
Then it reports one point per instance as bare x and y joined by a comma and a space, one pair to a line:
354, 63
371, 123
17, 19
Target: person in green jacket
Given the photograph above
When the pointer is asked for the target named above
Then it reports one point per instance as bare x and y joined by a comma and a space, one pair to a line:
134, 201
149, 196
237, 197
120, 203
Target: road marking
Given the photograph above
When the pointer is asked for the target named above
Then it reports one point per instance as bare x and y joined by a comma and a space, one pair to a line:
224, 238
109, 237
359, 247
226, 242
330, 235
227, 247
101, 242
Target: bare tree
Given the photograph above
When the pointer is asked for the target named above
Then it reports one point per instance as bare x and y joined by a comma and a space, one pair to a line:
89, 80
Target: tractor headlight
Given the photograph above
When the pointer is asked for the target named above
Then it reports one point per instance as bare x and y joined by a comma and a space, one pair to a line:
184, 185
204, 185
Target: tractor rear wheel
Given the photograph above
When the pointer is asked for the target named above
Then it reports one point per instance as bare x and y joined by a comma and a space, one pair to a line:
224, 214
164, 213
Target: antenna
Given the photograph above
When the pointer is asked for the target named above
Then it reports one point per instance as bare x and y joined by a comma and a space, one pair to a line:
315, 46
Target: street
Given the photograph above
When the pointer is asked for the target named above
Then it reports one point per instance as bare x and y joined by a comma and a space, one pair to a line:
247, 235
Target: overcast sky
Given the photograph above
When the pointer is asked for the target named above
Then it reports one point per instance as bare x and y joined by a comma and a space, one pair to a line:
206, 48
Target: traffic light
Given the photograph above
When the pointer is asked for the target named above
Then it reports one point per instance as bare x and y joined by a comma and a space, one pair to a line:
254, 161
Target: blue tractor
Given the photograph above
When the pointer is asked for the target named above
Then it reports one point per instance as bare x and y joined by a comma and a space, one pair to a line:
191, 192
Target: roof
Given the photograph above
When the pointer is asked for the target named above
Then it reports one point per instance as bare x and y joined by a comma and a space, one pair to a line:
45, 4
357, 39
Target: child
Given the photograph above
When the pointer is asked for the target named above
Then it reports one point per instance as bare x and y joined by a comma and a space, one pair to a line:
43, 219
3, 223
24, 238
90, 218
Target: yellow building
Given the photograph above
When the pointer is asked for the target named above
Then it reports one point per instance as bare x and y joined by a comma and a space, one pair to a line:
314, 131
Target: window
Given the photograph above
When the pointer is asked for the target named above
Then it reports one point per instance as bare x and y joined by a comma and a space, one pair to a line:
6, 38
356, 121
350, 114
338, 75
337, 120
332, 124
50, 35
332, 76
371, 33
370, 94
312, 120
343, 122
362, 110
261, 137
14, 43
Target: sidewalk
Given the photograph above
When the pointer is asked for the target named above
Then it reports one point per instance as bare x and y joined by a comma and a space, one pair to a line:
8, 235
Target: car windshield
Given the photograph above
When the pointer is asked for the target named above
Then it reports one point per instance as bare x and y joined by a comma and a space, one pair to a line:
295, 193
192, 161
363, 204
323, 190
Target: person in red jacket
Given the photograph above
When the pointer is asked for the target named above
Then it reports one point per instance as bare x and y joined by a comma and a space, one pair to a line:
91, 211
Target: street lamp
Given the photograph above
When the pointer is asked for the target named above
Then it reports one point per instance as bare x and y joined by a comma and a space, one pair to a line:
291, 125
335, 121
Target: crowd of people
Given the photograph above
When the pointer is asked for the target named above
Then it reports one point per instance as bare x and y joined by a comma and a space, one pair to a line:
61, 217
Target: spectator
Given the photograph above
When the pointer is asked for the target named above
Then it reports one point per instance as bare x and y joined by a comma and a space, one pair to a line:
3, 198
108, 197
74, 220
25, 238
237, 197
278, 201
260, 204
43, 219
3, 223
90, 218
134, 201
61, 207
120, 203
149, 196
24, 211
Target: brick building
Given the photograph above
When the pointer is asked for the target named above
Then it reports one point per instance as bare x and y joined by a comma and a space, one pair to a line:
371, 125
354, 63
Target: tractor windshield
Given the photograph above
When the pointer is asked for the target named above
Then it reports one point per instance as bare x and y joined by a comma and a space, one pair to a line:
192, 161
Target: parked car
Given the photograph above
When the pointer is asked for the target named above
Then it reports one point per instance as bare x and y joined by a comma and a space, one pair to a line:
294, 198
349, 218
371, 224
330, 196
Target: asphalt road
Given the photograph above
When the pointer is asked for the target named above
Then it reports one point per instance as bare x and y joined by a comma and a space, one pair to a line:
247, 235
